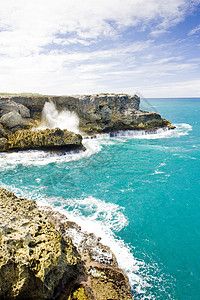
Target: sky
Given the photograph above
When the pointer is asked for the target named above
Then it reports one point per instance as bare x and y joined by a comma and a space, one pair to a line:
64, 47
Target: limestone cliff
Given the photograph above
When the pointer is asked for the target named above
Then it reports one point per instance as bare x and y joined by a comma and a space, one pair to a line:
45, 256
97, 113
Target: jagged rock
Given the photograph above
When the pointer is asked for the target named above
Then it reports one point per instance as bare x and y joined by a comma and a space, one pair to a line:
35, 260
44, 139
99, 113
3, 144
104, 280
39, 260
2, 132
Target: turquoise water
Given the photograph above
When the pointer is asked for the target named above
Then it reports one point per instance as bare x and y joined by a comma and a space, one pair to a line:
140, 194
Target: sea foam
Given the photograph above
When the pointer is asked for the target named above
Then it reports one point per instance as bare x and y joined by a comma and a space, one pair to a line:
92, 145
104, 219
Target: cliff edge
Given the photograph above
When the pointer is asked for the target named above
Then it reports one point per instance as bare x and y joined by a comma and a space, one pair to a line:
97, 113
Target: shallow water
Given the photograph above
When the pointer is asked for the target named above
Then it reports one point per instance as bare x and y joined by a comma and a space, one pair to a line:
140, 193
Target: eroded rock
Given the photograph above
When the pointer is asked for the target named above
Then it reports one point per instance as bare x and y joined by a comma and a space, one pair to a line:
3, 144
11, 119
45, 256
104, 280
44, 139
98, 113
35, 260
7, 105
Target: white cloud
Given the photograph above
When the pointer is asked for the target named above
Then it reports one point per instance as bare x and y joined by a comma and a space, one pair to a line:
34, 24
194, 30
36, 40
188, 88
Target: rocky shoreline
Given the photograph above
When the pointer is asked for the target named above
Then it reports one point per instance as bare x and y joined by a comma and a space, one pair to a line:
45, 256
42, 254
100, 113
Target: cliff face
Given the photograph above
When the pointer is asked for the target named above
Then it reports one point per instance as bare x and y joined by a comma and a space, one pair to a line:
45, 256
97, 113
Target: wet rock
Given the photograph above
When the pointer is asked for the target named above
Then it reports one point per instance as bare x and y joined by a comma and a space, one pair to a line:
103, 280
49, 139
3, 144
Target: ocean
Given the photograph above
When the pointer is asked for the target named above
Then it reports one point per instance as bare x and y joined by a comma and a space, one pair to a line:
139, 192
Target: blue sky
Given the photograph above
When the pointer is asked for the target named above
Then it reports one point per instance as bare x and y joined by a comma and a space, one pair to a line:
67, 47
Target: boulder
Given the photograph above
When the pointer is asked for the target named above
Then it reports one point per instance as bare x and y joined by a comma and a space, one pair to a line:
7, 105
11, 119
24, 111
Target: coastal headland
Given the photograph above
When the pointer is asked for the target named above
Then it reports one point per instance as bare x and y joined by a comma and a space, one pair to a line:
100, 113
43, 254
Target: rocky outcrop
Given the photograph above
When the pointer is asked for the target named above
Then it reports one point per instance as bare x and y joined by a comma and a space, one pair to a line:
45, 256
97, 113
46, 139
104, 280
14, 115
35, 260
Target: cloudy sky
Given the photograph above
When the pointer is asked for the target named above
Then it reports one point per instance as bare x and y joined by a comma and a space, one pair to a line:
91, 46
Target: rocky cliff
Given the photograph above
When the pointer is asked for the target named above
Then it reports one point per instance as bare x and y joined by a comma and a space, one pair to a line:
45, 256
97, 113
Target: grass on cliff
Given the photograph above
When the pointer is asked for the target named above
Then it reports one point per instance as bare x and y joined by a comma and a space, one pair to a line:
20, 94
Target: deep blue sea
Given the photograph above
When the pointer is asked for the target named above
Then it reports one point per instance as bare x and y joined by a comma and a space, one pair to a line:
139, 193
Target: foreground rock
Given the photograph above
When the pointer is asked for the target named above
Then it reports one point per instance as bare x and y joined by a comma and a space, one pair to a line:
97, 113
35, 260
39, 261
104, 280
47, 139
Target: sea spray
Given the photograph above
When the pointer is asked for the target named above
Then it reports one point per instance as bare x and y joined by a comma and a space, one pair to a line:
52, 118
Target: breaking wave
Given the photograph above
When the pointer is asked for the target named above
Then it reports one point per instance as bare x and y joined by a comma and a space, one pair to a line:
52, 118
92, 145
